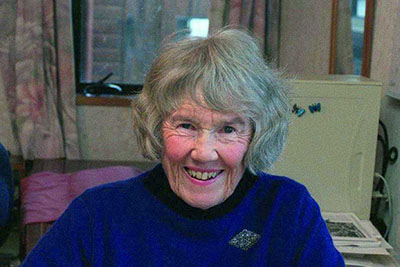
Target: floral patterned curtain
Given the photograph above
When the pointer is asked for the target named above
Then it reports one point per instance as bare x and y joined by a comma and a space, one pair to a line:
261, 17
38, 76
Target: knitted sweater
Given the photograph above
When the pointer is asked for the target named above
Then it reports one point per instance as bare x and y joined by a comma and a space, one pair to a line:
6, 191
267, 221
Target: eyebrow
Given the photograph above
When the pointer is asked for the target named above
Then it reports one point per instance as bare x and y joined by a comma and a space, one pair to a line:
236, 120
175, 118
179, 117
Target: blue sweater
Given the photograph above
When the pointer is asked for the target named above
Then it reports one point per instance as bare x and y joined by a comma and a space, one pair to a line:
267, 221
6, 191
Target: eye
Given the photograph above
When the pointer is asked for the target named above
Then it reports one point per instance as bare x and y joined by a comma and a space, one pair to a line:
186, 126
228, 129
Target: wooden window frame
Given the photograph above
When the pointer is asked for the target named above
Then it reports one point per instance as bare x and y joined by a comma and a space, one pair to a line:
367, 38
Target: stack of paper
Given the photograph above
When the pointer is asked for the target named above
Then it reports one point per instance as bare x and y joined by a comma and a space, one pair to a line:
357, 240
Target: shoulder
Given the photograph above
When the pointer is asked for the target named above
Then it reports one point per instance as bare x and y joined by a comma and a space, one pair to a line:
122, 185
281, 184
116, 195
285, 195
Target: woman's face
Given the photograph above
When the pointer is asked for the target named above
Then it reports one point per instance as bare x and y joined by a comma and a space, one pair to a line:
203, 153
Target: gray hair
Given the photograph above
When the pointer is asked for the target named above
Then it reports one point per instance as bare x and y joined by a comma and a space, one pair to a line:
232, 75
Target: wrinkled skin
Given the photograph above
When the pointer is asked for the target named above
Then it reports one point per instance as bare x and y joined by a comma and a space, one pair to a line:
198, 142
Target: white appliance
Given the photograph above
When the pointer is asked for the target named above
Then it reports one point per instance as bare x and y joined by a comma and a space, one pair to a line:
332, 151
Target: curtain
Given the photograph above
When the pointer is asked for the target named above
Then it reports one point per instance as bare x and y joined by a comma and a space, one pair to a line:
260, 17
38, 76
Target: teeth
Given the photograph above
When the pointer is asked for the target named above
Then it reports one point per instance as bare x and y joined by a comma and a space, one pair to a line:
202, 175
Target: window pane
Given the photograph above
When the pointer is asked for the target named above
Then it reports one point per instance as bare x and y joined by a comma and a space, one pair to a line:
357, 28
123, 36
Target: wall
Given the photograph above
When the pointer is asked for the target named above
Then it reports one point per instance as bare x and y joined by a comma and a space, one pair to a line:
385, 55
305, 36
105, 133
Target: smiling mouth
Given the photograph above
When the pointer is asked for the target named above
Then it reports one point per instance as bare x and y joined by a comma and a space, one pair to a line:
202, 176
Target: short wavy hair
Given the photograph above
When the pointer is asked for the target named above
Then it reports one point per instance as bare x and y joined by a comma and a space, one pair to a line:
229, 69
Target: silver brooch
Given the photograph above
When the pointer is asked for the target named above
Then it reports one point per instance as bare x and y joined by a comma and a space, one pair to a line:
245, 239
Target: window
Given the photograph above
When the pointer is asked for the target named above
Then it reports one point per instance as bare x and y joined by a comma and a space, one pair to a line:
116, 40
358, 8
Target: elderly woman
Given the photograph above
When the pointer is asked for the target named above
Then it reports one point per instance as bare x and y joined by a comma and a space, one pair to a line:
215, 116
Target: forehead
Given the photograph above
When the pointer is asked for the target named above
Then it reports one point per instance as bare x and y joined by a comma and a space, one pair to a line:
189, 110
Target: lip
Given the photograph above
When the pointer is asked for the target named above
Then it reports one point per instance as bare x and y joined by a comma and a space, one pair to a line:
203, 183
197, 169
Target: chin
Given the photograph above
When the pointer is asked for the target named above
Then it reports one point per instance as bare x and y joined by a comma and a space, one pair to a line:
203, 206
205, 202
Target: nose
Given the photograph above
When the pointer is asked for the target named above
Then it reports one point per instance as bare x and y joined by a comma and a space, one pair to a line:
204, 148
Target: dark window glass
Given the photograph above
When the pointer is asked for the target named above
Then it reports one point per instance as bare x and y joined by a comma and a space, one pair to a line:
117, 40
357, 27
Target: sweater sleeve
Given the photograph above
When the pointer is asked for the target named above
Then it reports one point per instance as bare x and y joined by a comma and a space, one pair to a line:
68, 242
314, 243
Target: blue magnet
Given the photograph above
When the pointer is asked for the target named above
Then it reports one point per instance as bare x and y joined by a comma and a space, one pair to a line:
300, 112
295, 108
315, 108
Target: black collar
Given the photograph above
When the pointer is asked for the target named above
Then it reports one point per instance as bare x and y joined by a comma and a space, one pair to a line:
157, 183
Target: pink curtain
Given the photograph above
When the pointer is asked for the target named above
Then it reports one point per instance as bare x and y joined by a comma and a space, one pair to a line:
249, 14
261, 17
38, 76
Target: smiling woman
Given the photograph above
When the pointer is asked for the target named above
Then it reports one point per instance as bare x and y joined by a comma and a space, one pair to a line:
215, 116
203, 153
225, 73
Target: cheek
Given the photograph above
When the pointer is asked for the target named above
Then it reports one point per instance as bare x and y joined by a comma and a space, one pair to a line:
233, 155
176, 148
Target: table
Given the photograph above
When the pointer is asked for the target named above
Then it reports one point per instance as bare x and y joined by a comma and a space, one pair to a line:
31, 233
